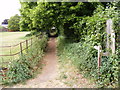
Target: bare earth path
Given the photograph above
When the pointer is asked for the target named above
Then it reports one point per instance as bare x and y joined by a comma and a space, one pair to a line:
51, 76
49, 72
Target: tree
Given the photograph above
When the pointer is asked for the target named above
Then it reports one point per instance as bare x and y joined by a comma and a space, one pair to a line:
42, 16
13, 23
26, 23
45, 15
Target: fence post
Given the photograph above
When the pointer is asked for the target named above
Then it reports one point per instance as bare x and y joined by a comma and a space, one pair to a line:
26, 45
21, 48
11, 52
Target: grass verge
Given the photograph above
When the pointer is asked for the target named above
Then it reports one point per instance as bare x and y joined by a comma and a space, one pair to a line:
84, 57
25, 67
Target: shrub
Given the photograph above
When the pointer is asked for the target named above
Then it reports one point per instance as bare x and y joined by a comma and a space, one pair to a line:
25, 67
84, 57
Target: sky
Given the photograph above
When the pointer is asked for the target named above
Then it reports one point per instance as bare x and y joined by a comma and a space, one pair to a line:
8, 8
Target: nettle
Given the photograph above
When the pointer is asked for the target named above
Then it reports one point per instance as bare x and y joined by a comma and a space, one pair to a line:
26, 66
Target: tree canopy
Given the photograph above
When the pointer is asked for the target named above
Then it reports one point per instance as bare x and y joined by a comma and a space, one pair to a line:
13, 23
71, 19
45, 15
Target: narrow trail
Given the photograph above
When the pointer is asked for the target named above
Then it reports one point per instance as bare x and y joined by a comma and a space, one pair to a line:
50, 58
52, 75
49, 71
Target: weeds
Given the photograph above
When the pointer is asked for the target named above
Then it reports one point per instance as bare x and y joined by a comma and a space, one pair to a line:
84, 57
26, 66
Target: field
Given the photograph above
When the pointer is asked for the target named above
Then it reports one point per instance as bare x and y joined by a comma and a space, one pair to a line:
11, 38
8, 39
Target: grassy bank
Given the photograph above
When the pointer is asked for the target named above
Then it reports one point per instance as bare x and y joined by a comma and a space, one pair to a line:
10, 39
84, 57
26, 65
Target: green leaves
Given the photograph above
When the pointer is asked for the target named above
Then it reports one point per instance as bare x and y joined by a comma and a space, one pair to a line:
45, 15
24, 68
84, 57
13, 23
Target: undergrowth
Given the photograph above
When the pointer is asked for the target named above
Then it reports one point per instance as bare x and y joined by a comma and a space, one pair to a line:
84, 57
28, 63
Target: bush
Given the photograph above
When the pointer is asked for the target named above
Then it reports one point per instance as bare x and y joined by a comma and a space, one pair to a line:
25, 67
84, 57
90, 31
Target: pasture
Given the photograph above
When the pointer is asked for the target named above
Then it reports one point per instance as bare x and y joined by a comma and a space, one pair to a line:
10, 39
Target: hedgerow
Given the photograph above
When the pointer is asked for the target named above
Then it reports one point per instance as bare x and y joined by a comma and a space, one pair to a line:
26, 66
83, 23
91, 31
84, 57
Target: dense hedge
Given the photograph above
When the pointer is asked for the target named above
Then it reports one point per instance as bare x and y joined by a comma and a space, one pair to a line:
83, 23
75, 20
25, 67
45, 15
94, 27
91, 31
84, 57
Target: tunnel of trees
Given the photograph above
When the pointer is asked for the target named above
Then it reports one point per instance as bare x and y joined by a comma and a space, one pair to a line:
65, 16
44, 15
80, 26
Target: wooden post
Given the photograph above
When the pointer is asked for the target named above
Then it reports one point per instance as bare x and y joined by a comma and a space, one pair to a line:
26, 45
11, 52
99, 48
113, 41
110, 36
21, 48
99, 57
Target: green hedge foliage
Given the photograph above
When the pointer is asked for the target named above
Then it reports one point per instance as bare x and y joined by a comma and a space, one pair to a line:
84, 57
25, 67
94, 27
91, 31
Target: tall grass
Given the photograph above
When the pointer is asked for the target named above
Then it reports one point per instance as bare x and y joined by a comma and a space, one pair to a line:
84, 57
26, 65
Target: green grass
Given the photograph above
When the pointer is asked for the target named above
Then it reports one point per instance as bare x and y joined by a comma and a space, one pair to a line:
25, 66
84, 57
8, 39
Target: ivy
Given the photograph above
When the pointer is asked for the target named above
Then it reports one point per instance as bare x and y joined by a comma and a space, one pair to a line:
84, 57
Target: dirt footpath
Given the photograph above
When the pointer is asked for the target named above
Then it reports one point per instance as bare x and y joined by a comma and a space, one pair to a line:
49, 72
53, 74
